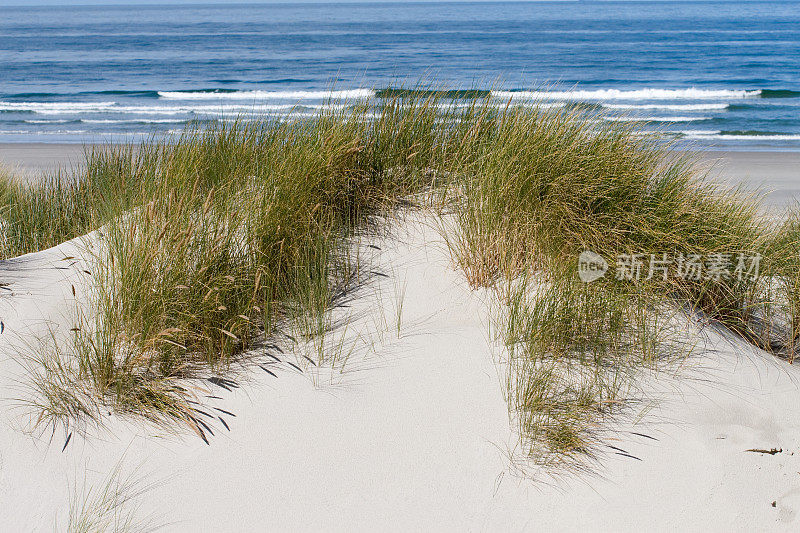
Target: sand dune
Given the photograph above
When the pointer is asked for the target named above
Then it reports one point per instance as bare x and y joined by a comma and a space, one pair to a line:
414, 435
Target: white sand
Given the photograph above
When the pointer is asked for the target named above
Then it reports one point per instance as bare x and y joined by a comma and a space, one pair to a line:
774, 176
414, 437
30, 160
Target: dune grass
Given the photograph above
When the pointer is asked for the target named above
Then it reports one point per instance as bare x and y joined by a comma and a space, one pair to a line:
575, 354
213, 243
541, 188
209, 242
111, 506
59, 207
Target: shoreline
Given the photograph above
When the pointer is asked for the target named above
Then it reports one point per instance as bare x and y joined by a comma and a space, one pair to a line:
775, 173
27, 160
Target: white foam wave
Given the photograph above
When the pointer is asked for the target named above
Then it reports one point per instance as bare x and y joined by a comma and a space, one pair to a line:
293, 116
132, 121
62, 107
636, 94
29, 132
171, 110
671, 107
167, 110
51, 121
718, 135
759, 137
267, 95
253, 108
500, 105
657, 119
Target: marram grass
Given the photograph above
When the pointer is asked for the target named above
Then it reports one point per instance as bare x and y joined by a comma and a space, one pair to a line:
211, 243
208, 243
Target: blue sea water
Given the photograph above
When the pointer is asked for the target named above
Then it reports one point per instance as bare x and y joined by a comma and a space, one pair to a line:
723, 74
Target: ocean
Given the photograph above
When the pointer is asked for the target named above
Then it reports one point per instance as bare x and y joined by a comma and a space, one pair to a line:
710, 74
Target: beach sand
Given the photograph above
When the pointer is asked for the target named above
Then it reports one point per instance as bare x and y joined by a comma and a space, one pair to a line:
415, 433
775, 174
30, 160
